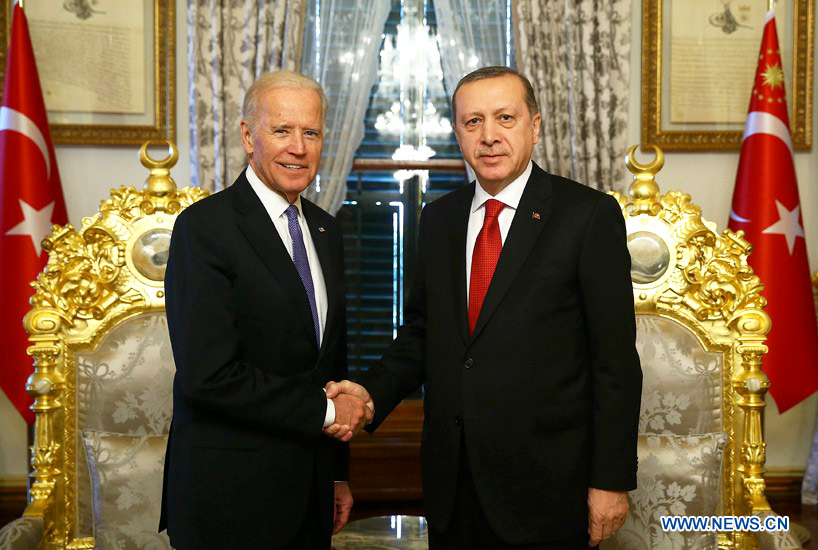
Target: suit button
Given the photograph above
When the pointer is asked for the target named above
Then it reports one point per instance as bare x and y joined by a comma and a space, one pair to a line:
469, 362
458, 420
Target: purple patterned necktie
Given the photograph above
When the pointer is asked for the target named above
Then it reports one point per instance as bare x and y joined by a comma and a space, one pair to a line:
302, 264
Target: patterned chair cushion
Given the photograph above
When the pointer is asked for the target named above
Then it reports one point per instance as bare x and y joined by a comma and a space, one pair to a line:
678, 476
777, 540
124, 385
126, 482
22, 534
682, 382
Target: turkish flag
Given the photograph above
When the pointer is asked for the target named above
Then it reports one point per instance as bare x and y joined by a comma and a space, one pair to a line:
31, 201
767, 208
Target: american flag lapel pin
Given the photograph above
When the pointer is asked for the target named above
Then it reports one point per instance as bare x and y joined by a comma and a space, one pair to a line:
320, 229
535, 215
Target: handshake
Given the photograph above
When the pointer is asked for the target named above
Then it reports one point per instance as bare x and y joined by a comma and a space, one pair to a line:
354, 409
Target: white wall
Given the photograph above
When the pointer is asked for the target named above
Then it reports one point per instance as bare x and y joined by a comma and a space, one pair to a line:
709, 178
89, 172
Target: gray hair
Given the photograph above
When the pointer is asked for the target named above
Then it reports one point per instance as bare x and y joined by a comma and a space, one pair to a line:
278, 79
496, 72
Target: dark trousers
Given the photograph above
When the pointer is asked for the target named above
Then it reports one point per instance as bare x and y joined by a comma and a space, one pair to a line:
311, 535
469, 529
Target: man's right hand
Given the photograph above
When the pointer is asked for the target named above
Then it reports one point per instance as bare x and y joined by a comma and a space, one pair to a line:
349, 396
350, 416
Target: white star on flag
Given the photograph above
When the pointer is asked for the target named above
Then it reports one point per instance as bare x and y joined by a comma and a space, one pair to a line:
36, 224
787, 224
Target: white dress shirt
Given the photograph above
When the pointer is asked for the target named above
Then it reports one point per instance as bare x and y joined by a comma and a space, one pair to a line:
276, 205
510, 196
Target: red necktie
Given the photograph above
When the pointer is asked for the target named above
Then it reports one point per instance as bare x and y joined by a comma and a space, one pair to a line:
487, 250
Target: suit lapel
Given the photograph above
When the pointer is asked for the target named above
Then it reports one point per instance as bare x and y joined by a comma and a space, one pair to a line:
320, 238
459, 224
531, 216
260, 231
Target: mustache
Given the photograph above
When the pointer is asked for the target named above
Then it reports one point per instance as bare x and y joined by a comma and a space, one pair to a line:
488, 151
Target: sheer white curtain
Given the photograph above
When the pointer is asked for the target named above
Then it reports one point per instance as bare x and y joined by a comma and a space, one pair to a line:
471, 34
576, 54
231, 42
341, 47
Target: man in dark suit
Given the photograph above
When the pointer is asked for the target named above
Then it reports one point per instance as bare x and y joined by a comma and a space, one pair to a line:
256, 313
520, 323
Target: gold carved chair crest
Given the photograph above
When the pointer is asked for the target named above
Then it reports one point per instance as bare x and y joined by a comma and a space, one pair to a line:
701, 329
104, 369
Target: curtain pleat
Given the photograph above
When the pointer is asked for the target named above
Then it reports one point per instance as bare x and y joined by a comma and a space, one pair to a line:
230, 43
577, 55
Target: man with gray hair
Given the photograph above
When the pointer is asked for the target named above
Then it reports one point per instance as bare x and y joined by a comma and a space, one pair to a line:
520, 325
256, 314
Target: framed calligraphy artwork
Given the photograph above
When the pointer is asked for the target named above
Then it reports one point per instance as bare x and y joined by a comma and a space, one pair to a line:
106, 67
698, 64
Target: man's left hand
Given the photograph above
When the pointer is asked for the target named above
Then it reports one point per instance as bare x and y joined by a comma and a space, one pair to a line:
606, 513
343, 505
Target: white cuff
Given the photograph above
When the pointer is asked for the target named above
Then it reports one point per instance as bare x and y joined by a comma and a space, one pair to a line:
329, 419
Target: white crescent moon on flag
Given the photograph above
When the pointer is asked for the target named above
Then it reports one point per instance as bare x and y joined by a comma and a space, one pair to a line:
760, 122
770, 14
734, 216
18, 122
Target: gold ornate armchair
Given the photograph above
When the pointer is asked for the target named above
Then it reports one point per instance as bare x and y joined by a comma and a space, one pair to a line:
701, 330
103, 373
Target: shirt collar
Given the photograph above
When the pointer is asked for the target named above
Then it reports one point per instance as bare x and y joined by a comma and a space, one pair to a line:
510, 195
274, 204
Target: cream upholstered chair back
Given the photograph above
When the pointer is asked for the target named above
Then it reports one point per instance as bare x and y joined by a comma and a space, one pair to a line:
123, 395
701, 329
683, 389
104, 368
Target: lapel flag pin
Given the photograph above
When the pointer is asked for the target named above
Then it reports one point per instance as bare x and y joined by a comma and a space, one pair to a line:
535, 215
320, 229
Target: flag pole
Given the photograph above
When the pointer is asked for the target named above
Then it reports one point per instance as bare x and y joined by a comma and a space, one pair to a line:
30, 428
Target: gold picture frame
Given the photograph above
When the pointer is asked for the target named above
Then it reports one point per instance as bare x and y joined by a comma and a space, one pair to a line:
144, 108
797, 55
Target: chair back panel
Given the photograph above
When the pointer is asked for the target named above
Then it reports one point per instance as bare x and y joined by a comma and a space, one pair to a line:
124, 386
682, 391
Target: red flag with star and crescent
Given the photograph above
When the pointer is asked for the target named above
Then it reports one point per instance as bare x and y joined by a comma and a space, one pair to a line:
31, 200
767, 208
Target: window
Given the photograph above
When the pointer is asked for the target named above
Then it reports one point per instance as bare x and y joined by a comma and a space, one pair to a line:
408, 157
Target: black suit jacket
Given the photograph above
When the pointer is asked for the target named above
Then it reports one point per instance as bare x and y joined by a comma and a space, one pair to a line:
546, 392
246, 450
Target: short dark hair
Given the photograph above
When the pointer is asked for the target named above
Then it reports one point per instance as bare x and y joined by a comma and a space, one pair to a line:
496, 72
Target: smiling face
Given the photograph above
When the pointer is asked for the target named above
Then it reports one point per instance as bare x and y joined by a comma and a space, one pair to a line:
284, 143
495, 131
